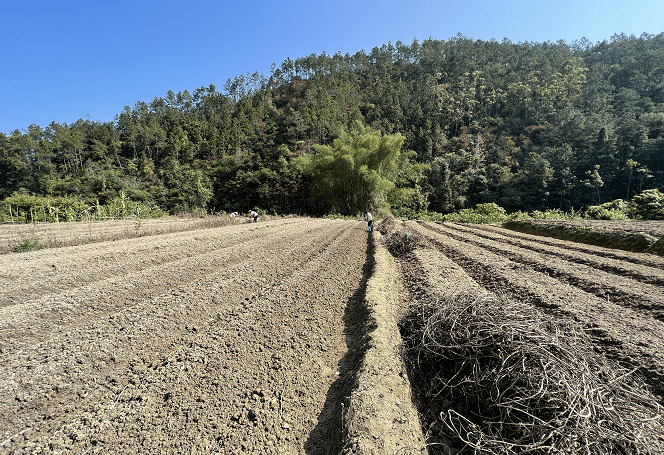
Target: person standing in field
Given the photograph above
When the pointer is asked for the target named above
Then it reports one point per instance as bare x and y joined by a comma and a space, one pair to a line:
254, 216
369, 219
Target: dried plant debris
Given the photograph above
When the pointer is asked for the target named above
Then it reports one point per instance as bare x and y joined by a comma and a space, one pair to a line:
398, 239
388, 224
501, 377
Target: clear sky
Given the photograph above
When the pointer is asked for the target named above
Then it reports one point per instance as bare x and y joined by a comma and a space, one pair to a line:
61, 61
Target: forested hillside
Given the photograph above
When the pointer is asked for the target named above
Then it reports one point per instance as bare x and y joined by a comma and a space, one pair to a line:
436, 125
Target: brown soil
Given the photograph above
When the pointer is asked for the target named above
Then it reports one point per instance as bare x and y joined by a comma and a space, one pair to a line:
228, 340
56, 235
619, 261
276, 337
629, 235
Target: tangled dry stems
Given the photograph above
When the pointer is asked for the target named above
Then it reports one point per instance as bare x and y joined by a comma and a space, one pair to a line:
501, 377
387, 225
398, 239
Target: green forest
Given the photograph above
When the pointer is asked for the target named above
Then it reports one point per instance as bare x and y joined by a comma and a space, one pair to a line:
428, 127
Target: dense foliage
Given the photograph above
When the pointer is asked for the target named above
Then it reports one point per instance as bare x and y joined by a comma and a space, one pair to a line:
528, 126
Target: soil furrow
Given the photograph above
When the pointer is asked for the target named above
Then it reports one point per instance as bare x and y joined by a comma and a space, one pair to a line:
430, 273
67, 234
254, 338
30, 321
647, 259
125, 321
618, 289
623, 333
289, 398
97, 366
66, 268
637, 272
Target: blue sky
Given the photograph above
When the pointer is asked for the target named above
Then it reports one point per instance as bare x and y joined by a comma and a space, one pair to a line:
61, 61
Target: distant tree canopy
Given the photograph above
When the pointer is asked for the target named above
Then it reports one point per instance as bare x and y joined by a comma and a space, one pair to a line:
436, 125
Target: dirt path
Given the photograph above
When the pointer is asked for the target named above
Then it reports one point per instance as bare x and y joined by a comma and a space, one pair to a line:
234, 343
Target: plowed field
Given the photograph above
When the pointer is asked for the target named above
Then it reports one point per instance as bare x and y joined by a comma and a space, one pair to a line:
220, 340
616, 296
251, 338
78, 233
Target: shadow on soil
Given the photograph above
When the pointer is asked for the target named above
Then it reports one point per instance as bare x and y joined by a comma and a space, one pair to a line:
327, 437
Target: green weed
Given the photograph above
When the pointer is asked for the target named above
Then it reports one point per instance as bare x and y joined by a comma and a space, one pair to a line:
29, 244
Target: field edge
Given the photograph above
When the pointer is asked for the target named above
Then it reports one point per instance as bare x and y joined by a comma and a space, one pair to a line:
635, 242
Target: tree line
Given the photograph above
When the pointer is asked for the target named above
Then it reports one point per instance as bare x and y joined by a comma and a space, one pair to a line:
438, 125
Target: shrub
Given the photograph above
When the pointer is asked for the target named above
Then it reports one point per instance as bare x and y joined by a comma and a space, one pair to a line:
410, 214
518, 215
554, 215
614, 210
649, 205
27, 208
407, 201
122, 207
430, 216
481, 214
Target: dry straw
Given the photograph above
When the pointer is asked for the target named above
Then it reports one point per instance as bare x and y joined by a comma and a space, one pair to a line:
502, 377
398, 239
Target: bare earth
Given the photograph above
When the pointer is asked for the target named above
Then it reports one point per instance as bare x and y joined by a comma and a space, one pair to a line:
653, 228
77, 233
223, 340
252, 338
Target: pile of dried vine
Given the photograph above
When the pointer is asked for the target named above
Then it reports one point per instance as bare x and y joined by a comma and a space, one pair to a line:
398, 239
501, 377
388, 223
